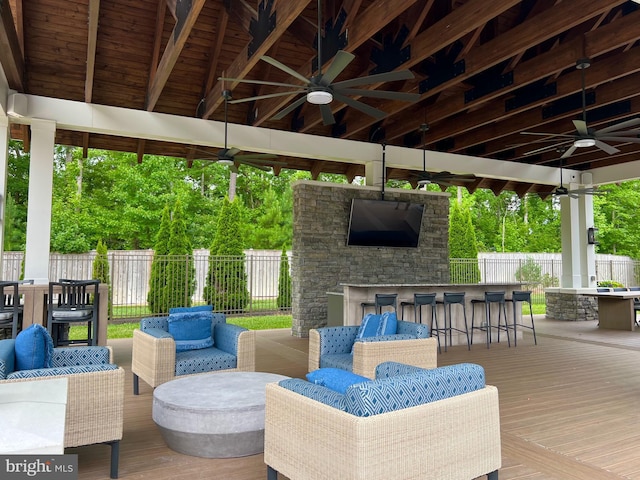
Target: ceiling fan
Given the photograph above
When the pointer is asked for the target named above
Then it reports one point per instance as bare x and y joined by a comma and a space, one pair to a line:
229, 156
321, 89
441, 178
588, 137
561, 190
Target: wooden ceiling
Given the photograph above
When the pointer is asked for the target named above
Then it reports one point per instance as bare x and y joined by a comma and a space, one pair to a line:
484, 70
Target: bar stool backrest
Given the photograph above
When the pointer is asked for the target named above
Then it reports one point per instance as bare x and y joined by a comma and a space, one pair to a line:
386, 299
494, 297
424, 299
603, 289
620, 289
453, 297
521, 296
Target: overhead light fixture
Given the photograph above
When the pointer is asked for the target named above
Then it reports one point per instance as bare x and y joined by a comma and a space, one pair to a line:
584, 142
423, 182
319, 97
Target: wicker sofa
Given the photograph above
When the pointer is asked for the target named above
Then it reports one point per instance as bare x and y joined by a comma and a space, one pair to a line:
155, 360
408, 423
337, 347
95, 398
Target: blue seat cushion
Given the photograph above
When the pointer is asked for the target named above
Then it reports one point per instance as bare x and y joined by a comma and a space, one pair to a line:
203, 360
191, 330
335, 379
337, 360
34, 348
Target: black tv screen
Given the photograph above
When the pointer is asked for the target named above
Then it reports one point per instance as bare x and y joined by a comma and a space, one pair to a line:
384, 223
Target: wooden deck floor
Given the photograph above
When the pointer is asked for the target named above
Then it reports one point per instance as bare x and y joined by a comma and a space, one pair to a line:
569, 408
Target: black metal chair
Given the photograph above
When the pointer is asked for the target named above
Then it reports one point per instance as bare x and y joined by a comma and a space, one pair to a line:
519, 296
636, 305
73, 301
449, 299
382, 300
497, 298
10, 309
421, 300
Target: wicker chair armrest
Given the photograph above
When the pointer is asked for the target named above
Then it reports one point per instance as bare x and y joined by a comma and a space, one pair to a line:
307, 439
320, 345
153, 359
247, 351
95, 406
420, 352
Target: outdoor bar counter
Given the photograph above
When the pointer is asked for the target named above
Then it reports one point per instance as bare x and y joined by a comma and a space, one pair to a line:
346, 305
35, 307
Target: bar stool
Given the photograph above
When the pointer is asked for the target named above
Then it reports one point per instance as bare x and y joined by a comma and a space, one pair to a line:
382, 300
636, 305
489, 298
449, 299
522, 296
420, 300
10, 308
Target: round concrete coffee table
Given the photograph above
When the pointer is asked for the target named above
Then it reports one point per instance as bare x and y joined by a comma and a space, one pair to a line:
213, 415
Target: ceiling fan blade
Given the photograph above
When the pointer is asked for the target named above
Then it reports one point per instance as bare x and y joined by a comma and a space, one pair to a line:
341, 60
606, 147
620, 139
327, 115
561, 135
255, 156
624, 133
405, 97
259, 82
569, 151
618, 126
262, 97
232, 151
581, 127
284, 68
443, 183
259, 167
547, 148
377, 78
284, 112
363, 107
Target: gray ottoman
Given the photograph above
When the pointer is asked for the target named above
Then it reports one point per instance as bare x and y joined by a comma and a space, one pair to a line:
213, 415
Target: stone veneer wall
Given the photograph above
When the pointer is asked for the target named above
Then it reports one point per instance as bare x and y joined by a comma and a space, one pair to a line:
321, 259
571, 306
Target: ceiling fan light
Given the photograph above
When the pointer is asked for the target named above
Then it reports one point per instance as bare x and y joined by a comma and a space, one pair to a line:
423, 182
319, 97
584, 142
225, 161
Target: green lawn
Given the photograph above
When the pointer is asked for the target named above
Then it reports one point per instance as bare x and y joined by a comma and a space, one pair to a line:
125, 330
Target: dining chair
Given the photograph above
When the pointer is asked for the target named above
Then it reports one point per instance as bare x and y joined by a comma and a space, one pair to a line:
73, 302
10, 308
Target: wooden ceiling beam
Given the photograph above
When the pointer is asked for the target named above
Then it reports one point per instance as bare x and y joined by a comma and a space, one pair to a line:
287, 12
523, 36
92, 41
351, 7
379, 14
242, 13
595, 43
414, 17
216, 49
11, 57
171, 53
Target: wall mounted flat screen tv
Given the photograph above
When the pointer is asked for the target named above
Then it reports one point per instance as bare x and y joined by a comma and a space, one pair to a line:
384, 223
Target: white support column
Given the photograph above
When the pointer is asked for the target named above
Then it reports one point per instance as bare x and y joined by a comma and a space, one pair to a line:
36, 265
373, 173
4, 167
578, 257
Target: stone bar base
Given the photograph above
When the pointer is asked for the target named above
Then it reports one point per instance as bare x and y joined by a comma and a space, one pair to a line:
570, 305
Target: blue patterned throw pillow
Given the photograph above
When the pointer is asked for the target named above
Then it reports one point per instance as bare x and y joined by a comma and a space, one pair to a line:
191, 330
199, 308
34, 348
334, 378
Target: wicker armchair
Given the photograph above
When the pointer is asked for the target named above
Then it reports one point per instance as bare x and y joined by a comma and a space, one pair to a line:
154, 358
95, 399
332, 347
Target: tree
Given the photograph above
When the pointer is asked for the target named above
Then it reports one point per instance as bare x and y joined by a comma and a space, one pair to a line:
157, 280
284, 282
226, 285
180, 271
529, 273
462, 244
101, 270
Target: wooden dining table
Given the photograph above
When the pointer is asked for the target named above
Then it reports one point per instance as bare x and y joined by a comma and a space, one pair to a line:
35, 307
616, 310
